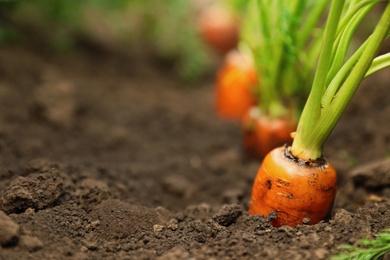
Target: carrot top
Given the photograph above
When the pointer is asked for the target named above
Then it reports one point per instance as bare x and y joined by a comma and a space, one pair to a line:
283, 37
337, 76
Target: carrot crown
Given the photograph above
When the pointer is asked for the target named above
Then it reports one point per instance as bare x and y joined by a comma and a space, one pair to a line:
283, 37
337, 76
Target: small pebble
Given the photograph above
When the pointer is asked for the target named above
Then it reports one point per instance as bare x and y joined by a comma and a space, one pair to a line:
173, 224
158, 228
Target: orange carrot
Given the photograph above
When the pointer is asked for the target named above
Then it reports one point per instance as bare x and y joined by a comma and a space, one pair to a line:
296, 191
234, 88
219, 28
262, 133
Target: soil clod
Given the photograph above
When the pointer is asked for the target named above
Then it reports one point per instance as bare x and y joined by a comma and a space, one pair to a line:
228, 215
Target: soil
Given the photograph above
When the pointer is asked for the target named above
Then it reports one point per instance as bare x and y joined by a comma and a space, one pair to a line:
110, 156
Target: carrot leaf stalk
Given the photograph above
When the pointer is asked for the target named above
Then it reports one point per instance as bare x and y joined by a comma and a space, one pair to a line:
379, 63
331, 92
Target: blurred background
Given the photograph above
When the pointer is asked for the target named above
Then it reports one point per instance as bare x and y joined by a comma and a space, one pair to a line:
170, 31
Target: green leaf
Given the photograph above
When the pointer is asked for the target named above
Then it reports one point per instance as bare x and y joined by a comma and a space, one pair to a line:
379, 63
367, 249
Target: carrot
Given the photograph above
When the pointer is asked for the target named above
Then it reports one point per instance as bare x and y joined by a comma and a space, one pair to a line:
294, 190
262, 133
234, 87
297, 182
219, 28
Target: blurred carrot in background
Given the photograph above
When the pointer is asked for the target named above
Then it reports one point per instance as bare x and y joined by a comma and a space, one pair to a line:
235, 86
218, 27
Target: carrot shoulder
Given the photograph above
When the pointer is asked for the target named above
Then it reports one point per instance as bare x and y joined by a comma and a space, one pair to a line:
296, 192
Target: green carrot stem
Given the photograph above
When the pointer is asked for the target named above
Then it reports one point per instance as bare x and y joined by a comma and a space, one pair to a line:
288, 80
311, 56
344, 40
333, 112
310, 23
343, 73
278, 48
379, 63
312, 109
311, 137
276, 54
352, 10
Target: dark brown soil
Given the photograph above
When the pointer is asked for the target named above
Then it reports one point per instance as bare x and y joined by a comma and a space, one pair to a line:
107, 156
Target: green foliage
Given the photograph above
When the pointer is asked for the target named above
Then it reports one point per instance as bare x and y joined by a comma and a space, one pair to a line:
168, 26
8, 5
173, 33
237, 6
368, 249
7, 33
339, 75
111, 5
60, 11
65, 11
282, 37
